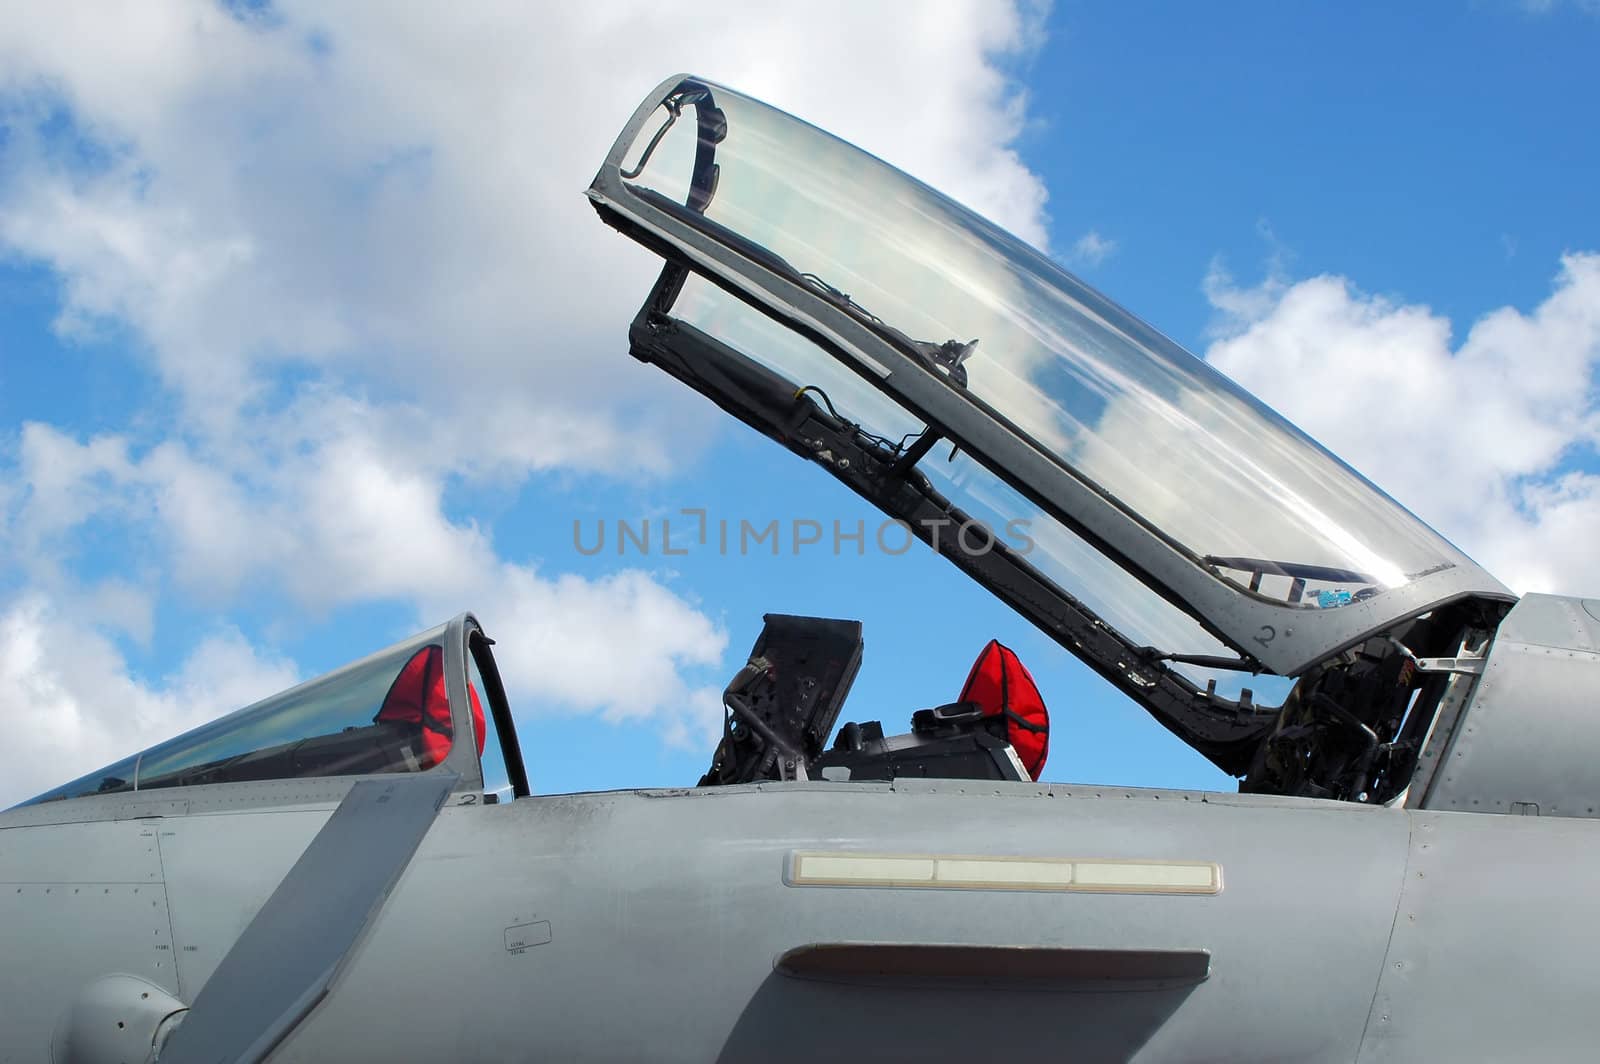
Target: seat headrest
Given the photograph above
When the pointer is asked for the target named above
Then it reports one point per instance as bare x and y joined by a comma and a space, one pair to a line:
1002, 686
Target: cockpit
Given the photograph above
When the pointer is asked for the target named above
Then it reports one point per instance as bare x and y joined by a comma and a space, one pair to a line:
1255, 595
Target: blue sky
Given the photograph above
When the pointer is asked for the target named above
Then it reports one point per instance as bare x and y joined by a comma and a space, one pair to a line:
308, 339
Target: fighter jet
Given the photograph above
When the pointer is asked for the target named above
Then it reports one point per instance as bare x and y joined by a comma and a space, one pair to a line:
325, 876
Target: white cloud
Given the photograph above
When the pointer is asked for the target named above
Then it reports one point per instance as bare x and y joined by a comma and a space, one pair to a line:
351, 244
617, 644
395, 196
343, 520
1491, 440
1092, 249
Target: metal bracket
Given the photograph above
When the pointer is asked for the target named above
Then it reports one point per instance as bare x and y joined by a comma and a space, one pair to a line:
1469, 665
1463, 666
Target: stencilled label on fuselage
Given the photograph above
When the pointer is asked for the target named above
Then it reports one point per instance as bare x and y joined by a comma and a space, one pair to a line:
807, 868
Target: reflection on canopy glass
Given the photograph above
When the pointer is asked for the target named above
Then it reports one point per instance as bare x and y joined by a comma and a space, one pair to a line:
387, 713
1172, 441
1059, 555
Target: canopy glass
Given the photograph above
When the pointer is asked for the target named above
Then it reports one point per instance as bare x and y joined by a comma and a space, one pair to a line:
386, 713
1172, 442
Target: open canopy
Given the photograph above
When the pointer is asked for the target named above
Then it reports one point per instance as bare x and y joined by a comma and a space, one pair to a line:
1143, 509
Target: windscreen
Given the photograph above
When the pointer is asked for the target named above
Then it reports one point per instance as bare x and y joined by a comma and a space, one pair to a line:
387, 713
1174, 443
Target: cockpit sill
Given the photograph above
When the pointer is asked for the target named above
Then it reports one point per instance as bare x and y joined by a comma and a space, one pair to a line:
323, 795
318, 794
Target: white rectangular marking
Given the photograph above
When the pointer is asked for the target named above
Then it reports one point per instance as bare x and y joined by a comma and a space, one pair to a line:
1128, 875
865, 869
923, 871
966, 871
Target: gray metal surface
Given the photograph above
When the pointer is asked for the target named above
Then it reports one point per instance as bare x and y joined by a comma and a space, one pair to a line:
76, 902
1286, 639
1556, 621
114, 1018
1530, 732
670, 909
106, 852
282, 964
524, 930
213, 891
1492, 957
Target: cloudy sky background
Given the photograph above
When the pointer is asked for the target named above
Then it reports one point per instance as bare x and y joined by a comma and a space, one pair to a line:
308, 339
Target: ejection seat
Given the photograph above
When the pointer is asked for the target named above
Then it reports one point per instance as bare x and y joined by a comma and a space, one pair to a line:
783, 703
997, 728
417, 698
